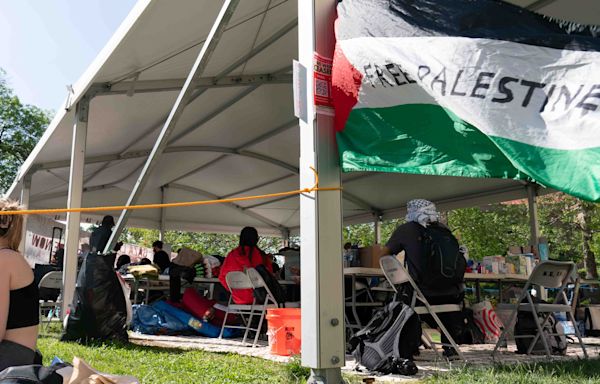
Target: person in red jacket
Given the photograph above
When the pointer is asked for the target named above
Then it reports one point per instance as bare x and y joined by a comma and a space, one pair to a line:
246, 255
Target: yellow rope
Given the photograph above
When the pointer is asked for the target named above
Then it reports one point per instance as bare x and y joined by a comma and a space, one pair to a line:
315, 187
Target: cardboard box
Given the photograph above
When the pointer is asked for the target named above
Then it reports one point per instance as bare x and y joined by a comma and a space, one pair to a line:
369, 256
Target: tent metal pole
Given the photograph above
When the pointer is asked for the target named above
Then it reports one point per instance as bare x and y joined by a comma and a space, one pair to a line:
163, 213
377, 225
534, 226
533, 213
323, 336
74, 201
217, 30
24, 200
285, 238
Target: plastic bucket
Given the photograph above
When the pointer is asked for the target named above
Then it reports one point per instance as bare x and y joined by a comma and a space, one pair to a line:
284, 331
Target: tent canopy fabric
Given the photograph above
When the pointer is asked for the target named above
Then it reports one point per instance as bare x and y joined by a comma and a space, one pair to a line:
238, 136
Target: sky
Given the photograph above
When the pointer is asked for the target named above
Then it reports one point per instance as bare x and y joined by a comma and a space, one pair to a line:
46, 45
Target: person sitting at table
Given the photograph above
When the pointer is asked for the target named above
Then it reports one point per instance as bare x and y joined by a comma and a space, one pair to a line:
161, 258
409, 237
246, 255
19, 295
122, 260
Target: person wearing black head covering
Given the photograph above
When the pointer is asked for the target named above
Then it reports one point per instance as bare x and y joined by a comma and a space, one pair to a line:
246, 255
101, 235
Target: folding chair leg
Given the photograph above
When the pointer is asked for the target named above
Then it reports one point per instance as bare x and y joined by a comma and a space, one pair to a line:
444, 331
537, 335
540, 329
512, 318
248, 325
259, 328
578, 334
432, 345
224, 323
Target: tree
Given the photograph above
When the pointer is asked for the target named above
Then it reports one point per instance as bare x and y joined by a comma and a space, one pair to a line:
21, 126
492, 229
570, 224
206, 243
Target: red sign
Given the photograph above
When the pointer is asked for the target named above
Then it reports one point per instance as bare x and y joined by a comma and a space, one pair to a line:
322, 80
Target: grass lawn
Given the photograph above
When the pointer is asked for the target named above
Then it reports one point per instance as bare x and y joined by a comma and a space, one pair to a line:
583, 371
153, 365
163, 366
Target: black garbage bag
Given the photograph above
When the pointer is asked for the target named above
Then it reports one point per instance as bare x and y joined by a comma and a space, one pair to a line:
32, 374
99, 310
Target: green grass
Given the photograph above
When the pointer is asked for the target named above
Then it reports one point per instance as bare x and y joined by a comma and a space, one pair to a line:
162, 365
582, 371
154, 365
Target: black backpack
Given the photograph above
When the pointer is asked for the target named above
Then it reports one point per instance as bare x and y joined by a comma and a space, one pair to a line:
525, 325
260, 294
389, 341
444, 264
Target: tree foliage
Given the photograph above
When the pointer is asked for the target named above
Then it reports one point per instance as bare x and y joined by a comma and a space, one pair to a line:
569, 224
206, 243
21, 126
491, 230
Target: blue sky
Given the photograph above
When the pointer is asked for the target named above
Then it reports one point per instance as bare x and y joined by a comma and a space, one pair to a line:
47, 44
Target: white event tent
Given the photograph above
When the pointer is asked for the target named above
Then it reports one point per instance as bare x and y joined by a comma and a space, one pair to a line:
193, 100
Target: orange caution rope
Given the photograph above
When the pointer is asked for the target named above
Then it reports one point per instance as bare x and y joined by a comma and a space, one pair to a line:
315, 187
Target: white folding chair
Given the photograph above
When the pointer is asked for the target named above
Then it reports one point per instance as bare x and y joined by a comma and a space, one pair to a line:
259, 282
397, 275
548, 274
240, 280
51, 280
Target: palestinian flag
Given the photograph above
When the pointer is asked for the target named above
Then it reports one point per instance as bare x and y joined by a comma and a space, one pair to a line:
475, 88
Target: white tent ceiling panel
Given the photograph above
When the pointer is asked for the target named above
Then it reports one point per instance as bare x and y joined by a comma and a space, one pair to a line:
245, 142
157, 34
234, 173
219, 215
276, 184
283, 146
277, 55
173, 165
288, 217
386, 190
261, 111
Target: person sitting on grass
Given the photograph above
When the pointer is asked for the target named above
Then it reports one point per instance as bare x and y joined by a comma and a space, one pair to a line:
246, 255
19, 296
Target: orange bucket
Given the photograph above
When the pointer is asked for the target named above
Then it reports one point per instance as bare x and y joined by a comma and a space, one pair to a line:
284, 331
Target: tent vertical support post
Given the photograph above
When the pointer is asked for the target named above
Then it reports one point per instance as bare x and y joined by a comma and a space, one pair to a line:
377, 227
285, 238
24, 200
534, 226
323, 336
185, 95
74, 201
533, 214
163, 213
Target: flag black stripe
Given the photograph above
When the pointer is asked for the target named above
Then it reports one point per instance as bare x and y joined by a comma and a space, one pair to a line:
489, 19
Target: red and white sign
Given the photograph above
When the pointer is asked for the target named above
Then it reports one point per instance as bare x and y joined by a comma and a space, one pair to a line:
322, 80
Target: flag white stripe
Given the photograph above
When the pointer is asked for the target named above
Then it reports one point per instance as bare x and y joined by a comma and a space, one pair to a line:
485, 63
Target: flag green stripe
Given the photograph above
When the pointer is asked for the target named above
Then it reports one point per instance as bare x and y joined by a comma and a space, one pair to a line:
422, 139
572, 171
430, 140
